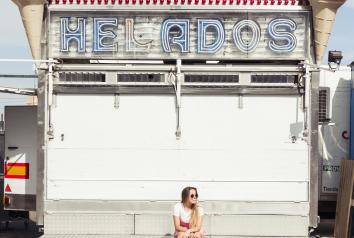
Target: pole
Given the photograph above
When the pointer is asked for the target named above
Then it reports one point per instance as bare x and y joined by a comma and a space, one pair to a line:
28, 60
351, 138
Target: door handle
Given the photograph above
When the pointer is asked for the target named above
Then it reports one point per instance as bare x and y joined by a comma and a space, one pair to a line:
12, 147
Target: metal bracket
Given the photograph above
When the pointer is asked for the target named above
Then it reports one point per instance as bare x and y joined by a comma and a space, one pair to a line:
175, 80
50, 100
116, 101
240, 101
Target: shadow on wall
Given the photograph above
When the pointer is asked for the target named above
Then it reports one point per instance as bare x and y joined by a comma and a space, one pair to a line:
297, 128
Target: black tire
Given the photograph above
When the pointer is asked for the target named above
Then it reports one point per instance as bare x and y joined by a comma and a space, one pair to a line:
26, 223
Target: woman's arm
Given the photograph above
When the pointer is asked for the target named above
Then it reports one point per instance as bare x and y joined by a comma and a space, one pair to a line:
177, 224
199, 225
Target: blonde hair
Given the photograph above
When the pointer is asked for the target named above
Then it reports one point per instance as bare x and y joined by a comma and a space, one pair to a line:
193, 222
194, 216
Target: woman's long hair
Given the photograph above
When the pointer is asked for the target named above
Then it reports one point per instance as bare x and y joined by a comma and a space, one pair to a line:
195, 211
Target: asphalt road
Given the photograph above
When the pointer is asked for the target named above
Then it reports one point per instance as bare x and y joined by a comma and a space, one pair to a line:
16, 229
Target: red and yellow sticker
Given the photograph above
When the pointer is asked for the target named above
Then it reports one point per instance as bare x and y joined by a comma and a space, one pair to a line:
17, 170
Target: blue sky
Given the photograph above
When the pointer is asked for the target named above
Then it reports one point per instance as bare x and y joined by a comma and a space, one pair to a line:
14, 45
342, 37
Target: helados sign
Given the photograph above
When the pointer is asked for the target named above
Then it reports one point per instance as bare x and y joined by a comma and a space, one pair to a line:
184, 36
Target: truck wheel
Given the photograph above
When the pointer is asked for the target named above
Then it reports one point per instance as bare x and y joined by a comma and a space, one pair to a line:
26, 224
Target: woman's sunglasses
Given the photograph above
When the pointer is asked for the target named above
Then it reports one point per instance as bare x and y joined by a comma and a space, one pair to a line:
194, 195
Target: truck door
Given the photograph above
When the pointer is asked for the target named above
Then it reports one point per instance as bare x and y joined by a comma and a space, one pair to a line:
20, 163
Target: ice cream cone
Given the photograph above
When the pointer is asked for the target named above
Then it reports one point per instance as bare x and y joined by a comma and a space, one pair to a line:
32, 17
324, 13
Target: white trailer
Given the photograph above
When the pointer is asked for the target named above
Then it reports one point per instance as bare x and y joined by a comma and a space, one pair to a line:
130, 134
20, 158
140, 99
334, 128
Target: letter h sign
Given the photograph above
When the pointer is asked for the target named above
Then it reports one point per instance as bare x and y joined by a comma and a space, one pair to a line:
77, 35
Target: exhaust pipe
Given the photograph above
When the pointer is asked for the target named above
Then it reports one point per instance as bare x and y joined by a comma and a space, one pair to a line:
32, 16
324, 14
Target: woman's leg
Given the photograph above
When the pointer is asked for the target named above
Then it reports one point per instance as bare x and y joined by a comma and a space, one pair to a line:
180, 234
198, 235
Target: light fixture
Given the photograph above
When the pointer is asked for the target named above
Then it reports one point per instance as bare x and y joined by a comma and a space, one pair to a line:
334, 59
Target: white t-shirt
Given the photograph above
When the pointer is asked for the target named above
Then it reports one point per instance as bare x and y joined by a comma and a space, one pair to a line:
184, 214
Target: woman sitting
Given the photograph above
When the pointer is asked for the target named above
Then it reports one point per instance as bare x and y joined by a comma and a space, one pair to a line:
188, 215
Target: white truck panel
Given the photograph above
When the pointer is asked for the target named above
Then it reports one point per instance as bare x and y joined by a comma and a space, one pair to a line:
20, 125
23, 186
170, 190
134, 149
335, 147
150, 121
21, 147
107, 164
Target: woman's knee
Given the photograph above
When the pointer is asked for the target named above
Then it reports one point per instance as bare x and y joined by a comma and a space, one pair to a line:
180, 234
198, 235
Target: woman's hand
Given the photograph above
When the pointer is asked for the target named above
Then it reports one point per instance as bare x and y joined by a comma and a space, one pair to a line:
187, 234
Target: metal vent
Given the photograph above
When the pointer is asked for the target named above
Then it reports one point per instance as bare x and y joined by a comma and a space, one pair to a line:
270, 79
323, 103
140, 78
211, 79
81, 77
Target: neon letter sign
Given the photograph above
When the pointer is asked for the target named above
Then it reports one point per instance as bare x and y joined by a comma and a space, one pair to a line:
175, 36
182, 40
277, 33
99, 34
203, 25
77, 35
250, 45
131, 43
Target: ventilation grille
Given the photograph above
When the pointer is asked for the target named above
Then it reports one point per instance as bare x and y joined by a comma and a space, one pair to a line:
270, 79
81, 77
323, 114
211, 79
140, 78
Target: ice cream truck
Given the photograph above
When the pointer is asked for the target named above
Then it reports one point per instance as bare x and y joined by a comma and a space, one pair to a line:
139, 98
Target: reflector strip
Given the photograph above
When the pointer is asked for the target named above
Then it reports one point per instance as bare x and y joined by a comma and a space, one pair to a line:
17, 170
8, 189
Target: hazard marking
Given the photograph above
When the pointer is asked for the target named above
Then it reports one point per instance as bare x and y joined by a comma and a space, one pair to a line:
17, 170
7, 188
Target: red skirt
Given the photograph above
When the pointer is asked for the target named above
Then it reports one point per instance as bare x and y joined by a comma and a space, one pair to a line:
186, 225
